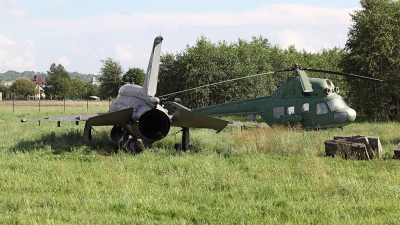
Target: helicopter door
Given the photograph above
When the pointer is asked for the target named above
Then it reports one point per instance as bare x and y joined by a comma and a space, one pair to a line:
305, 111
305, 108
290, 110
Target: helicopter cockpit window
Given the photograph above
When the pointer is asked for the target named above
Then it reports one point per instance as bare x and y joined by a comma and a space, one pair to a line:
279, 111
290, 110
337, 103
321, 108
305, 108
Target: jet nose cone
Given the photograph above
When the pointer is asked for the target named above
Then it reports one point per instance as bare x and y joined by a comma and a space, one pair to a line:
351, 115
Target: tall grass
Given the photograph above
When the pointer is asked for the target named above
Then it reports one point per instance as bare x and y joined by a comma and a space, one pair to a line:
254, 176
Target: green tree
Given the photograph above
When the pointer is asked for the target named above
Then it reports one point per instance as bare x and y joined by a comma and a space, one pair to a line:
23, 86
111, 79
374, 50
206, 63
59, 83
134, 76
91, 90
78, 87
5, 92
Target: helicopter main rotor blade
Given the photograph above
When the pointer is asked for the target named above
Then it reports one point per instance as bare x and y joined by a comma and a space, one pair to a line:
221, 82
285, 70
341, 73
295, 67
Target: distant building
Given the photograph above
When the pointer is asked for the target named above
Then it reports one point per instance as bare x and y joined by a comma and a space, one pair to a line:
39, 81
7, 84
95, 81
40, 84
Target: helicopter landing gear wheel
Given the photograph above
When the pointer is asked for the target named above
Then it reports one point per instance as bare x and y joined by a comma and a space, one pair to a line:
119, 135
134, 145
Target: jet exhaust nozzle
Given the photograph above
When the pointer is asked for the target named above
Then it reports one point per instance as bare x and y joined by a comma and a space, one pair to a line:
154, 125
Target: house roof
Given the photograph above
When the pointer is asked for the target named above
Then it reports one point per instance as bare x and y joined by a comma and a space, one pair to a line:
38, 80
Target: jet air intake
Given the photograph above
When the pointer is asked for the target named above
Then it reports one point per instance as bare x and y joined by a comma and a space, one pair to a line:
154, 125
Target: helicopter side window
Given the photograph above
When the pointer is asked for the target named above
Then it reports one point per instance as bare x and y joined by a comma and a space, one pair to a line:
305, 108
290, 110
321, 108
279, 111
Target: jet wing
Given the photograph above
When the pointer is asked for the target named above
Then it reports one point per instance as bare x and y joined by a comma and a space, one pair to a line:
75, 118
120, 117
184, 118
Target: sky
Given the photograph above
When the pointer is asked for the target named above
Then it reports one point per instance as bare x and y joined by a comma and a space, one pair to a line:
79, 34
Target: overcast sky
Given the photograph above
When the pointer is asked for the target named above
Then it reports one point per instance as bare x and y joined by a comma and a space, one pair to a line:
78, 34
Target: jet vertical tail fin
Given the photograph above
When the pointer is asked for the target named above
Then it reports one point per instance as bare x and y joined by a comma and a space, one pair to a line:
150, 83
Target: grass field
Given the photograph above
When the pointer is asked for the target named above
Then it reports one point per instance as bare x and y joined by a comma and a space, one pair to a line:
257, 176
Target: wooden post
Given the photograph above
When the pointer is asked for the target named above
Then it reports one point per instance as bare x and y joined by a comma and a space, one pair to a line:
39, 99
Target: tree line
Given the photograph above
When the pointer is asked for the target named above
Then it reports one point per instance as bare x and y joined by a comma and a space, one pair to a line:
59, 84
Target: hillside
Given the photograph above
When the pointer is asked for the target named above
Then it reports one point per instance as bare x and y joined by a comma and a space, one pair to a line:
12, 75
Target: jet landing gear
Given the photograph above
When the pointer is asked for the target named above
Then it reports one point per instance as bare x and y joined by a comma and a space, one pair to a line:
134, 145
185, 140
119, 135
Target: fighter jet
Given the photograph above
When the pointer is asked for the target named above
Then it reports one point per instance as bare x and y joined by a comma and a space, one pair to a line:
136, 113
